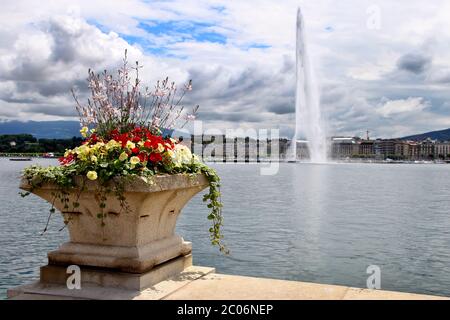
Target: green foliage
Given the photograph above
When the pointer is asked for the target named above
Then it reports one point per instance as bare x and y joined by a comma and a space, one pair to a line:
27, 144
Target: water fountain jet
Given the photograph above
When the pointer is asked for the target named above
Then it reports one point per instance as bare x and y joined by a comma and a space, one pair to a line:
308, 117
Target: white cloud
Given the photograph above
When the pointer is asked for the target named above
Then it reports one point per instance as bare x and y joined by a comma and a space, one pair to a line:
373, 71
403, 106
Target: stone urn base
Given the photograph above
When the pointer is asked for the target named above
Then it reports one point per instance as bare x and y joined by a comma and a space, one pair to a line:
134, 248
104, 277
136, 259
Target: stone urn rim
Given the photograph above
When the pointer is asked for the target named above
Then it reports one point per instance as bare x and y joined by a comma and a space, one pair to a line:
134, 184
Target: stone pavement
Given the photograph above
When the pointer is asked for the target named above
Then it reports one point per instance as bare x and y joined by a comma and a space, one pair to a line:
198, 283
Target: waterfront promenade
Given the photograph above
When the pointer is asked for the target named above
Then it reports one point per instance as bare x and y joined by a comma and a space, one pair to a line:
202, 283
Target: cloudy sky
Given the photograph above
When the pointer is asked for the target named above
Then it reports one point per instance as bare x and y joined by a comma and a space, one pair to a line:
382, 65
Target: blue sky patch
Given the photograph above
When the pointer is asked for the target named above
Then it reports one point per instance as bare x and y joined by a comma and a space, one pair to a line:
176, 31
149, 47
184, 31
172, 31
258, 46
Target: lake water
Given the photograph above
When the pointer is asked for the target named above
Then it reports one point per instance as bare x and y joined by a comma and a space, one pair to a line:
315, 223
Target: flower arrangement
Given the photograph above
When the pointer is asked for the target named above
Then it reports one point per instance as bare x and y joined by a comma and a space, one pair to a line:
123, 137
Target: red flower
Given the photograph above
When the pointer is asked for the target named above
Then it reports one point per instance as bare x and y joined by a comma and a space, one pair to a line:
114, 134
123, 138
153, 141
93, 138
135, 150
142, 157
155, 157
145, 131
66, 160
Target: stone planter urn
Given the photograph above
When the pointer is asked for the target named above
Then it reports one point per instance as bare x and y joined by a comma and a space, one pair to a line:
135, 248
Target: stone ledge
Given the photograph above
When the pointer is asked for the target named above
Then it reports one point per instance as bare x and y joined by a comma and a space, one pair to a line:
230, 287
201, 283
366, 294
49, 291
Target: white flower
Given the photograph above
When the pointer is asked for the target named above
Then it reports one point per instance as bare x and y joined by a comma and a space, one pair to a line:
130, 145
134, 160
123, 156
181, 155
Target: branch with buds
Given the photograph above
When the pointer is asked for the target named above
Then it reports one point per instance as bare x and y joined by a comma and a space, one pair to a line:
119, 102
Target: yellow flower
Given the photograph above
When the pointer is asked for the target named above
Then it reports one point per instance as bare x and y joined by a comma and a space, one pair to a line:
134, 160
92, 175
141, 143
82, 151
110, 144
84, 131
67, 153
123, 156
130, 145
94, 159
160, 148
84, 148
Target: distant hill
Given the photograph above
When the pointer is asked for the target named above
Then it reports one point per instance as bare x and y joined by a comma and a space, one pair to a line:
69, 129
442, 135
50, 129
42, 129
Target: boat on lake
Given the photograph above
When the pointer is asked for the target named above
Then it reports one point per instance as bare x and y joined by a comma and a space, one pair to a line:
49, 155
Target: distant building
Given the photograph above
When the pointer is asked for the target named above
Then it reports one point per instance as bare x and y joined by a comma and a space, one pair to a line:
427, 149
302, 149
344, 147
385, 147
366, 148
222, 148
401, 149
414, 150
442, 150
